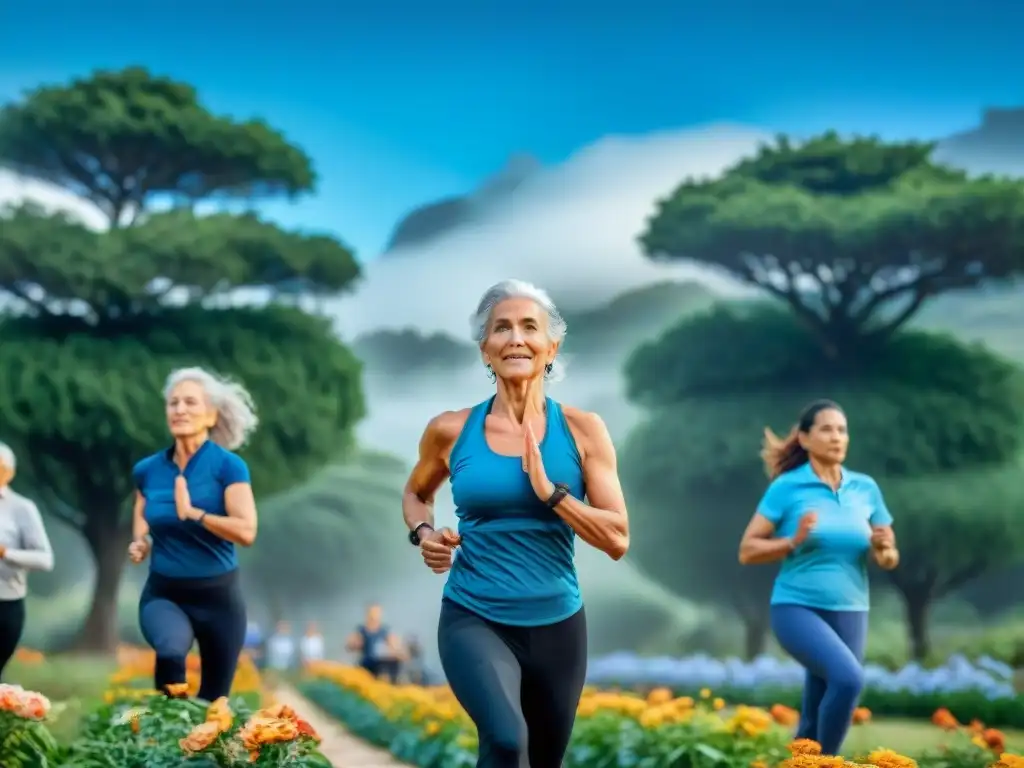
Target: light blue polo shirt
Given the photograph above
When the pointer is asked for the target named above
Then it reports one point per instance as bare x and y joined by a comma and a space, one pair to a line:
830, 570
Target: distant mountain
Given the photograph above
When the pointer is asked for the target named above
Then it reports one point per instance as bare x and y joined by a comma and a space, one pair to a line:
431, 220
409, 352
996, 146
610, 333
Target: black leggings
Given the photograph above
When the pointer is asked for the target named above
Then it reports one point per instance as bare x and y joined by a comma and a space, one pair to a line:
520, 685
12, 624
175, 612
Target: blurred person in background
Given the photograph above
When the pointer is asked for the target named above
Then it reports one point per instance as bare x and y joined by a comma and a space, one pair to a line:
415, 672
823, 521
311, 647
193, 505
378, 647
24, 547
253, 643
528, 476
281, 649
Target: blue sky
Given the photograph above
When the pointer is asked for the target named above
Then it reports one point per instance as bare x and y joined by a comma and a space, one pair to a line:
400, 103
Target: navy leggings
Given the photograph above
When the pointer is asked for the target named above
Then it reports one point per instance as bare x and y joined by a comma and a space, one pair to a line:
174, 613
12, 624
830, 646
520, 685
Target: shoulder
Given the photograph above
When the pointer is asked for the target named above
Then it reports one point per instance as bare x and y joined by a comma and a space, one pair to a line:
231, 467
445, 428
588, 429
787, 481
861, 480
22, 503
145, 466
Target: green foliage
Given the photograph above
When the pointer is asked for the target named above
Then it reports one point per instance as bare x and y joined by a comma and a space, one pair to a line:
922, 403
335, 529
146, 734
123, 138
855, 236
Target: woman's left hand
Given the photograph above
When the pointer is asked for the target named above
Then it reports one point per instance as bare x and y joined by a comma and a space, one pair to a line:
882, 537
3, 551
533, 466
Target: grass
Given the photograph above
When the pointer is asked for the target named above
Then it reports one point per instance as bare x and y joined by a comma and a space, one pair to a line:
75, 684
908, 737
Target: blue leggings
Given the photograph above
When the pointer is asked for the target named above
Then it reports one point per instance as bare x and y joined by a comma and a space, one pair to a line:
830, 646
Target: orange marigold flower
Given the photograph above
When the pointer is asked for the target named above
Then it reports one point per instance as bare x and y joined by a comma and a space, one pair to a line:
1007, 760
202, 736
783, 715
886, 758
219, 712
994, 739
976, 726
307, 730
659, 696
861, 715
945, 720
177, 690
804, 747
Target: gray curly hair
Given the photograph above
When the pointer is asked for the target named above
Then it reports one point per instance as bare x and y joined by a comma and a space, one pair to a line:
236, 413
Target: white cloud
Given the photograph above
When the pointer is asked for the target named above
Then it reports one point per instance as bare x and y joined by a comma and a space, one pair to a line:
571, 229
16, 189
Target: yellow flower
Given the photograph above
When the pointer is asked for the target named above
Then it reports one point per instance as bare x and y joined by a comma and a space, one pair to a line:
886, 758
433, 728
705, 693
718, 703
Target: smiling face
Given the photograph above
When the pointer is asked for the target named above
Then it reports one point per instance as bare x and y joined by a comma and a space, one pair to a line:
517, 346
828, 439
189, 413
6, 474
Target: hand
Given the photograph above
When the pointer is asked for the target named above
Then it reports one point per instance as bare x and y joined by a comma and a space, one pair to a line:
882, 537
804, 528
182, 500
533, 465
3, 552
138, 550
436, 548
887, 558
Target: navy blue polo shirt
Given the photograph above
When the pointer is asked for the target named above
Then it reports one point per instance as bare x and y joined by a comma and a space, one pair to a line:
184, 549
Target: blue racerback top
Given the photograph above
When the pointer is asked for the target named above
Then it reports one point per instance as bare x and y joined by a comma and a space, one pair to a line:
515, 565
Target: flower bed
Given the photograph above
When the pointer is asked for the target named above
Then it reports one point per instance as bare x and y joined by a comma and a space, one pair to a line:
426, 727
981, 690
146, 730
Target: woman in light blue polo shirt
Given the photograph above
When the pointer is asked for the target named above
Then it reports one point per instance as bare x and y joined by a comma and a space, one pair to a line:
822, 521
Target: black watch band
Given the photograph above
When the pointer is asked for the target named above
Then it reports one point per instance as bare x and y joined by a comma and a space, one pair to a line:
561, 491
414, 534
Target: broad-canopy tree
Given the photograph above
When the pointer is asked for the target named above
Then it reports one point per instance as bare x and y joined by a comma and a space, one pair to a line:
94, 321
939, 424
853, 235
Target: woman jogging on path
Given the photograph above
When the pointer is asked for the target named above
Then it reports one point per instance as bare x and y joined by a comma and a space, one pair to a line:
822, 521
528, 476
194, 504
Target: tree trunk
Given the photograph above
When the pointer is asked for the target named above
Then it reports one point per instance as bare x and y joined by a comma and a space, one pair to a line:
99, 633
755, 635
917, 606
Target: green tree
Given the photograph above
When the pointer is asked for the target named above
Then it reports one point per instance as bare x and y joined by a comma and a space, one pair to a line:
854, 236
97, 319
327, 535
937, 423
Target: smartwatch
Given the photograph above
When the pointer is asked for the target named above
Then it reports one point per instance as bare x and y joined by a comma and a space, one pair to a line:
561, 491
414, 534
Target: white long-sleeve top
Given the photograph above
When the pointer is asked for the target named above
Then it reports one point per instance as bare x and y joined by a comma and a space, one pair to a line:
23, 537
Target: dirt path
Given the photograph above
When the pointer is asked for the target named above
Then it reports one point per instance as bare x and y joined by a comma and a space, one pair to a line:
339, 746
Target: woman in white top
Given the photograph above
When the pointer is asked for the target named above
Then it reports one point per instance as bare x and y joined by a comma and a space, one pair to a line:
24, 546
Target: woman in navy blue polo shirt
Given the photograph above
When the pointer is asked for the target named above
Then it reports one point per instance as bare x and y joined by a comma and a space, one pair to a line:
194, 503
823, 522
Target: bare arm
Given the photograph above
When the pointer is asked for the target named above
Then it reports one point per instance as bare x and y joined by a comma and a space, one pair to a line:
140, 528
604, 522
35, 553
431, 468
354, 642
239, 525
759, 545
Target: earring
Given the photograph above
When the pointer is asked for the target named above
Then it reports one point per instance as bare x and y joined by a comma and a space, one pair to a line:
549, 368
490, 372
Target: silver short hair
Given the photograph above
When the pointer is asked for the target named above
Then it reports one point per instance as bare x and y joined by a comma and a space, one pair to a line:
236, 413
7, 458
520, 289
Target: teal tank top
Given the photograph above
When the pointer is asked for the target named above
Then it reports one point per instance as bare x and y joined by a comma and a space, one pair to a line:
516, 562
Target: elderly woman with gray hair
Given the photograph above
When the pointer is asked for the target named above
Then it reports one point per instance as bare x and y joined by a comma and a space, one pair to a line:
193, 505
24, 547
528, 476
